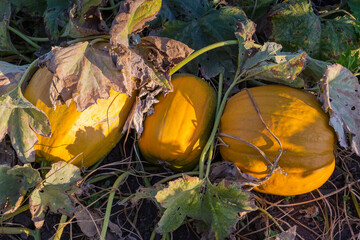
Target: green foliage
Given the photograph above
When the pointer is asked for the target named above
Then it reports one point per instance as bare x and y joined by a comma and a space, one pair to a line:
56, 14
215, 205
213, 26
14, 184
295, 26
6, 46
349, 60
355, 7
33, 8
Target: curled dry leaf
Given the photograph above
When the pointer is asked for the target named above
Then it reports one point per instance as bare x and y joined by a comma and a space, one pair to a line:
91, 221
10, 76
310, 212
152, 60
289, 234
228, 171
83, 72
340, 95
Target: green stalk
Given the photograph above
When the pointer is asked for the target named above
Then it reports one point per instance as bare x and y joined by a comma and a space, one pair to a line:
221, 80
145, 179
201, 51
19, 230
18, 211
214, 129
60, 228
110, 202
26, 38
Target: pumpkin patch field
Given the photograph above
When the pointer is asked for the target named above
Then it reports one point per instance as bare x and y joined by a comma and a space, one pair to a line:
179, 119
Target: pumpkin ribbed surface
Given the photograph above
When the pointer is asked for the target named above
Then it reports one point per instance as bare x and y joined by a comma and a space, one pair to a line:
180, 126
80, 137
302, 127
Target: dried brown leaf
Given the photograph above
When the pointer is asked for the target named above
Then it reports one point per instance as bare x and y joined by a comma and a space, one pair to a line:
229, 172
91, 221
83, 72
131, 18
310, 212
150, 62
289, 234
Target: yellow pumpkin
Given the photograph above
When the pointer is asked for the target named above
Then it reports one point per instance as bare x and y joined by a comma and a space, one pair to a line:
175, 134
302, 127
82, 138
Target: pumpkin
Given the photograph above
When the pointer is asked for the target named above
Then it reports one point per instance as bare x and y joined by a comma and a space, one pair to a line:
297, 119
175, 134
82, 138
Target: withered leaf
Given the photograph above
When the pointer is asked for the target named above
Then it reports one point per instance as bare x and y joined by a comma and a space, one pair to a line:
85, 19
55, 192
10, 76
340, 96
132, 17
91, 221
83, 72
151, 62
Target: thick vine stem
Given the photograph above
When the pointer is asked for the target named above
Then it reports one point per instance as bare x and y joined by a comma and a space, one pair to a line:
215, 127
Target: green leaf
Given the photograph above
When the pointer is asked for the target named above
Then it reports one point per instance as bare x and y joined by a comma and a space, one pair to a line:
217, 206
6, 46
337, 36
340, 96
181, 198
355, 7
349, 60
20, 120
14, 183
295, 26
221, 205
215, 25
55, 192
34, 8
55, 15
183, 10
261, 7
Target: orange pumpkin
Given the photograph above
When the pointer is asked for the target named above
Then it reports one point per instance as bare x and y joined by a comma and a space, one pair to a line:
297, 119
82, 138
176, 133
